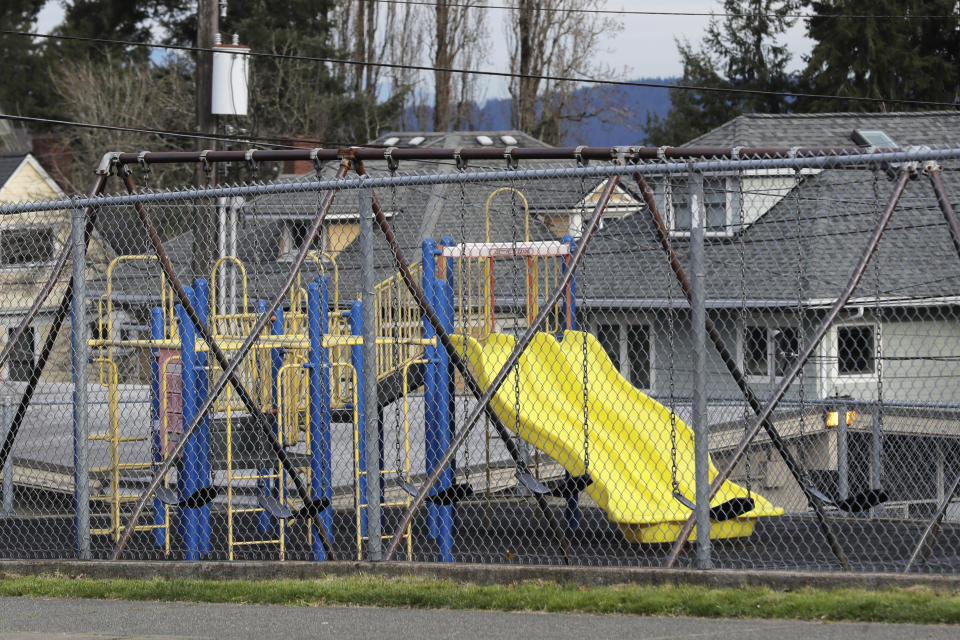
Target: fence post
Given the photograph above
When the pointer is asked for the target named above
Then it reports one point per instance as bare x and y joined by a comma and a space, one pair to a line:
372, 431
78, 323
698, 317
6, 417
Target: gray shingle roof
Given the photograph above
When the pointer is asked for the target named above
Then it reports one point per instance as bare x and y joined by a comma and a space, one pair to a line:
9, 161
834, 212
832, 129
416, 212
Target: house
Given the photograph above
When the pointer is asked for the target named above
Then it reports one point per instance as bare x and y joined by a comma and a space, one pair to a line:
779, 247
29, 244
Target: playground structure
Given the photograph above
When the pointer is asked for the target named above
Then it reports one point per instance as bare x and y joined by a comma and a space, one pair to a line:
248, 395
307, 372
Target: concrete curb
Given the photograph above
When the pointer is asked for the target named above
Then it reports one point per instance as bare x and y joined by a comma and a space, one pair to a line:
474, 573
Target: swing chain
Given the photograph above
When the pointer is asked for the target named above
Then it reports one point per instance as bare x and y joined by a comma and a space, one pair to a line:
741, 253
801, 328
586, 381
878, 349
392, 166
462, 167
671, 333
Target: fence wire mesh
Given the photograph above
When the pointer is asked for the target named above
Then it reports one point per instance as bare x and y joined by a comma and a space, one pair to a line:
586, 453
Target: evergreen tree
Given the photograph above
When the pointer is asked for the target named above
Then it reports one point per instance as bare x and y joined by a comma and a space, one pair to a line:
739, 52
19, 90
913, 57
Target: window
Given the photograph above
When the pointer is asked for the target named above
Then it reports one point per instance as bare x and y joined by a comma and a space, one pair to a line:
21, 356
638, 355
628, 346
609, 337
720, 202
294, 233
855, 350
27, 246
767, 352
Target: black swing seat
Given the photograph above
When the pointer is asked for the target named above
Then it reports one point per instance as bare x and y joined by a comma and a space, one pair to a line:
529, 482
571, 486
725, 510
453, 494
457, 492
857, 503
283, 511
311, 508
199, 498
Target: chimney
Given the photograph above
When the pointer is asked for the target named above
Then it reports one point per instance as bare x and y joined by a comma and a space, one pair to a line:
55, 155
299, 167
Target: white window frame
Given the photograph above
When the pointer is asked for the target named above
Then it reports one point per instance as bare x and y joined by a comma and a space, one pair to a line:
624, 347
771, 331
669, 212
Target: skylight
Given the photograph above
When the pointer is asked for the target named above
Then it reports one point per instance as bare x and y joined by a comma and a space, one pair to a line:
508, 140
416, 140
485, 140
389, 142
873, 138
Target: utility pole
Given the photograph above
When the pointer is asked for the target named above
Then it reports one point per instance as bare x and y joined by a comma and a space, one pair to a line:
204, 223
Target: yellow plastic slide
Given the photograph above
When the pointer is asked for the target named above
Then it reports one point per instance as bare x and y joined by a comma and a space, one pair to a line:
628, 433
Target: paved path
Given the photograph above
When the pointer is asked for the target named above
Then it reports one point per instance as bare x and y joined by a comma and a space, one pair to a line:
64, 619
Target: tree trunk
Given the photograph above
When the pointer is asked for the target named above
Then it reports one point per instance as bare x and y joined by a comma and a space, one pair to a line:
442, 58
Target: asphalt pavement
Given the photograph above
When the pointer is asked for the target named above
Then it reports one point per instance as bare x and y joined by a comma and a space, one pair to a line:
67, 619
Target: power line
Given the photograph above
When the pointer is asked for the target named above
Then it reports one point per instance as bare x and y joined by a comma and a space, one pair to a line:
265, 140
640, 12
497, 74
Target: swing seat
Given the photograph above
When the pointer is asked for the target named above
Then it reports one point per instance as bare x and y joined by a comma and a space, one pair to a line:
860, 502
733, 508
453, 494
311, 508
274, 507
199, 498
531, 484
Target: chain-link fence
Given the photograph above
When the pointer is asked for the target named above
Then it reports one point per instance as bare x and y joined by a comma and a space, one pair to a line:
544, 364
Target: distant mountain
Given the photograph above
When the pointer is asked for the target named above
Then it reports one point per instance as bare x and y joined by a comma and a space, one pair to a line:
625, 129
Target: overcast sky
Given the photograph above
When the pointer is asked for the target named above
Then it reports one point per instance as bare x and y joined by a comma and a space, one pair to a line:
646, 46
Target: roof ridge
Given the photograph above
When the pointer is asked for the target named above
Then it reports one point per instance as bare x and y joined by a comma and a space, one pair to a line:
851, 114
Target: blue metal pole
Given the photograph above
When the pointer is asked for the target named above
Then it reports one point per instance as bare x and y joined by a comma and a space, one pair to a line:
451, 395
356, 358
187, 471
159, 509
430, 399
201, 299
319, 378
570, 312
444, 296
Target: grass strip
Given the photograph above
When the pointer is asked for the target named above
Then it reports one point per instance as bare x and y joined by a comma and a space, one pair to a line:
913, 605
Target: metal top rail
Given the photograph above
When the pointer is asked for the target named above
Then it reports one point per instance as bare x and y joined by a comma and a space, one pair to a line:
481, 153
797, 161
